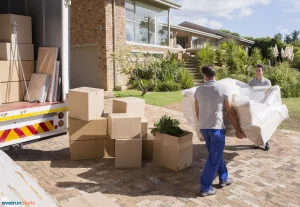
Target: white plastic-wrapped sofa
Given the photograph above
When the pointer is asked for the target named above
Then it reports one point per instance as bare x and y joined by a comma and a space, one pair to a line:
259, 109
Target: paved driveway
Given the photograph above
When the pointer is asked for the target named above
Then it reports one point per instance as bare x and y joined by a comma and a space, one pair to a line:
261, 178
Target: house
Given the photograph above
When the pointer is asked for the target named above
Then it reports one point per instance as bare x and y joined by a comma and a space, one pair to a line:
100, 27
192, 36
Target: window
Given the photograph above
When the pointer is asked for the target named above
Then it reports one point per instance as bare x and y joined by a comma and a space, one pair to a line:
146, 24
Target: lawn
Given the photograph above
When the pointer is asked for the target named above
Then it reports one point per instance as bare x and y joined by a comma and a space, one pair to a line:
166, 98
293, 123
153, 98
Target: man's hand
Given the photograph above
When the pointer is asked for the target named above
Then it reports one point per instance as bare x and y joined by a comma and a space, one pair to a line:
240, 134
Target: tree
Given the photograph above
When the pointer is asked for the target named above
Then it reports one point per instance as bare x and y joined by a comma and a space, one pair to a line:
229, 32
133, 64
287, 39
295, 35
278, 36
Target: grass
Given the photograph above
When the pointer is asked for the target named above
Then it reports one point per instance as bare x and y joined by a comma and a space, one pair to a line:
293, 123
166, 98
153, 98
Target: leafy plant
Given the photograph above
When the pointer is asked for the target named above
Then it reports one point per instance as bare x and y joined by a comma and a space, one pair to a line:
135, 64
256, 57
220, 57
167, 85
186, 79
169, 126
170, 68
206, 55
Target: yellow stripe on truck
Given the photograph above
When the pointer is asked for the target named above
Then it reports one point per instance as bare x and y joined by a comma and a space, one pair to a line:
8, 118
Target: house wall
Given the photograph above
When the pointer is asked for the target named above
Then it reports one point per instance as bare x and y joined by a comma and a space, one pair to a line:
92, 24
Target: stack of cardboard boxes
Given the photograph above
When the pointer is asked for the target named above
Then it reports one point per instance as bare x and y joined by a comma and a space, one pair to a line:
12, 80
88, 125
122, 134
127, 125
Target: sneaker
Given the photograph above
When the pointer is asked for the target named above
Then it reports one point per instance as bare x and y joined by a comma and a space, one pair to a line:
228, 182
256, 147
212, 191
267, 147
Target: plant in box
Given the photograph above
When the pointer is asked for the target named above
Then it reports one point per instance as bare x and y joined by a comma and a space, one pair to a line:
173, 147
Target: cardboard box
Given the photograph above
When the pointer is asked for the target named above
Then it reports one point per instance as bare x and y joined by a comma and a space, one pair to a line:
91, 149
148, 146
130, 105
91, 200
12, 91
128, 153
86, 103
9, 51
144, 127
85, 130
24, 28
175, 153
124, 126
11, 71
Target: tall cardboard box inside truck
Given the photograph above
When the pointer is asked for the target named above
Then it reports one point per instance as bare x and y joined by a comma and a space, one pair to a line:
23, 25
9, 51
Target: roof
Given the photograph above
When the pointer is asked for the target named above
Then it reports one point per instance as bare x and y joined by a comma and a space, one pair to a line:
196, 31
215, 32
168, 3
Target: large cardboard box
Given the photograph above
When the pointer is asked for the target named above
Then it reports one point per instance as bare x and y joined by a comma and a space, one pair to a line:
128, 153
9, 51
91, 200
124, 126
148, 146
130, 105
144, 127
175, 153
23, 25
90, 149
85, 130
86, 103
11, 70
12, 91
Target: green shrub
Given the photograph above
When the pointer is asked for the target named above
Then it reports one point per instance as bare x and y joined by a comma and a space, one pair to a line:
186, 79
168, 85
296, 61
220, 57
169, 126
170, 68
256, 57
287, 78
206, 55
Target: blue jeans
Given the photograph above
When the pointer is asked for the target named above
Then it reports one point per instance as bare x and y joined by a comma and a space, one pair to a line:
215, 143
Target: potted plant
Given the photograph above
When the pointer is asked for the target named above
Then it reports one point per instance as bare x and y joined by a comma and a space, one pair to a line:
172, 146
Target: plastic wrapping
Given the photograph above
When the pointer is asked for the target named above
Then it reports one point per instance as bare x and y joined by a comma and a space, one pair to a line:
17, 186
260, 110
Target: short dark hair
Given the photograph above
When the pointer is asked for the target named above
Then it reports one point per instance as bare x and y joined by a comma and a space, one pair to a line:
260, 66
209, 71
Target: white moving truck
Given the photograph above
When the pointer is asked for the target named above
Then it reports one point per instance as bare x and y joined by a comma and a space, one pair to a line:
22, 122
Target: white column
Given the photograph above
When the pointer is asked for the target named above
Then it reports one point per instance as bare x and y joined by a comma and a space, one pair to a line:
169, 25
65, 49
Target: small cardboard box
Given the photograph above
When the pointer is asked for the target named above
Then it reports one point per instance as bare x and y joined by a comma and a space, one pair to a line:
84, 130
175, 153
86, 103
9, 51
130, 105
91, 200
91, 149
11, 71
148, 146
144, 127
23, 25
128, 153
124, 126
12, 91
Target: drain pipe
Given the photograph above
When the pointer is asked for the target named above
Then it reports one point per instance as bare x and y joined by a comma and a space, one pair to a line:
114, 42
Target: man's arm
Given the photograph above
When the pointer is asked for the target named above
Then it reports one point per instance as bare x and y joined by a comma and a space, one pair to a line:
197, 109
234, 120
